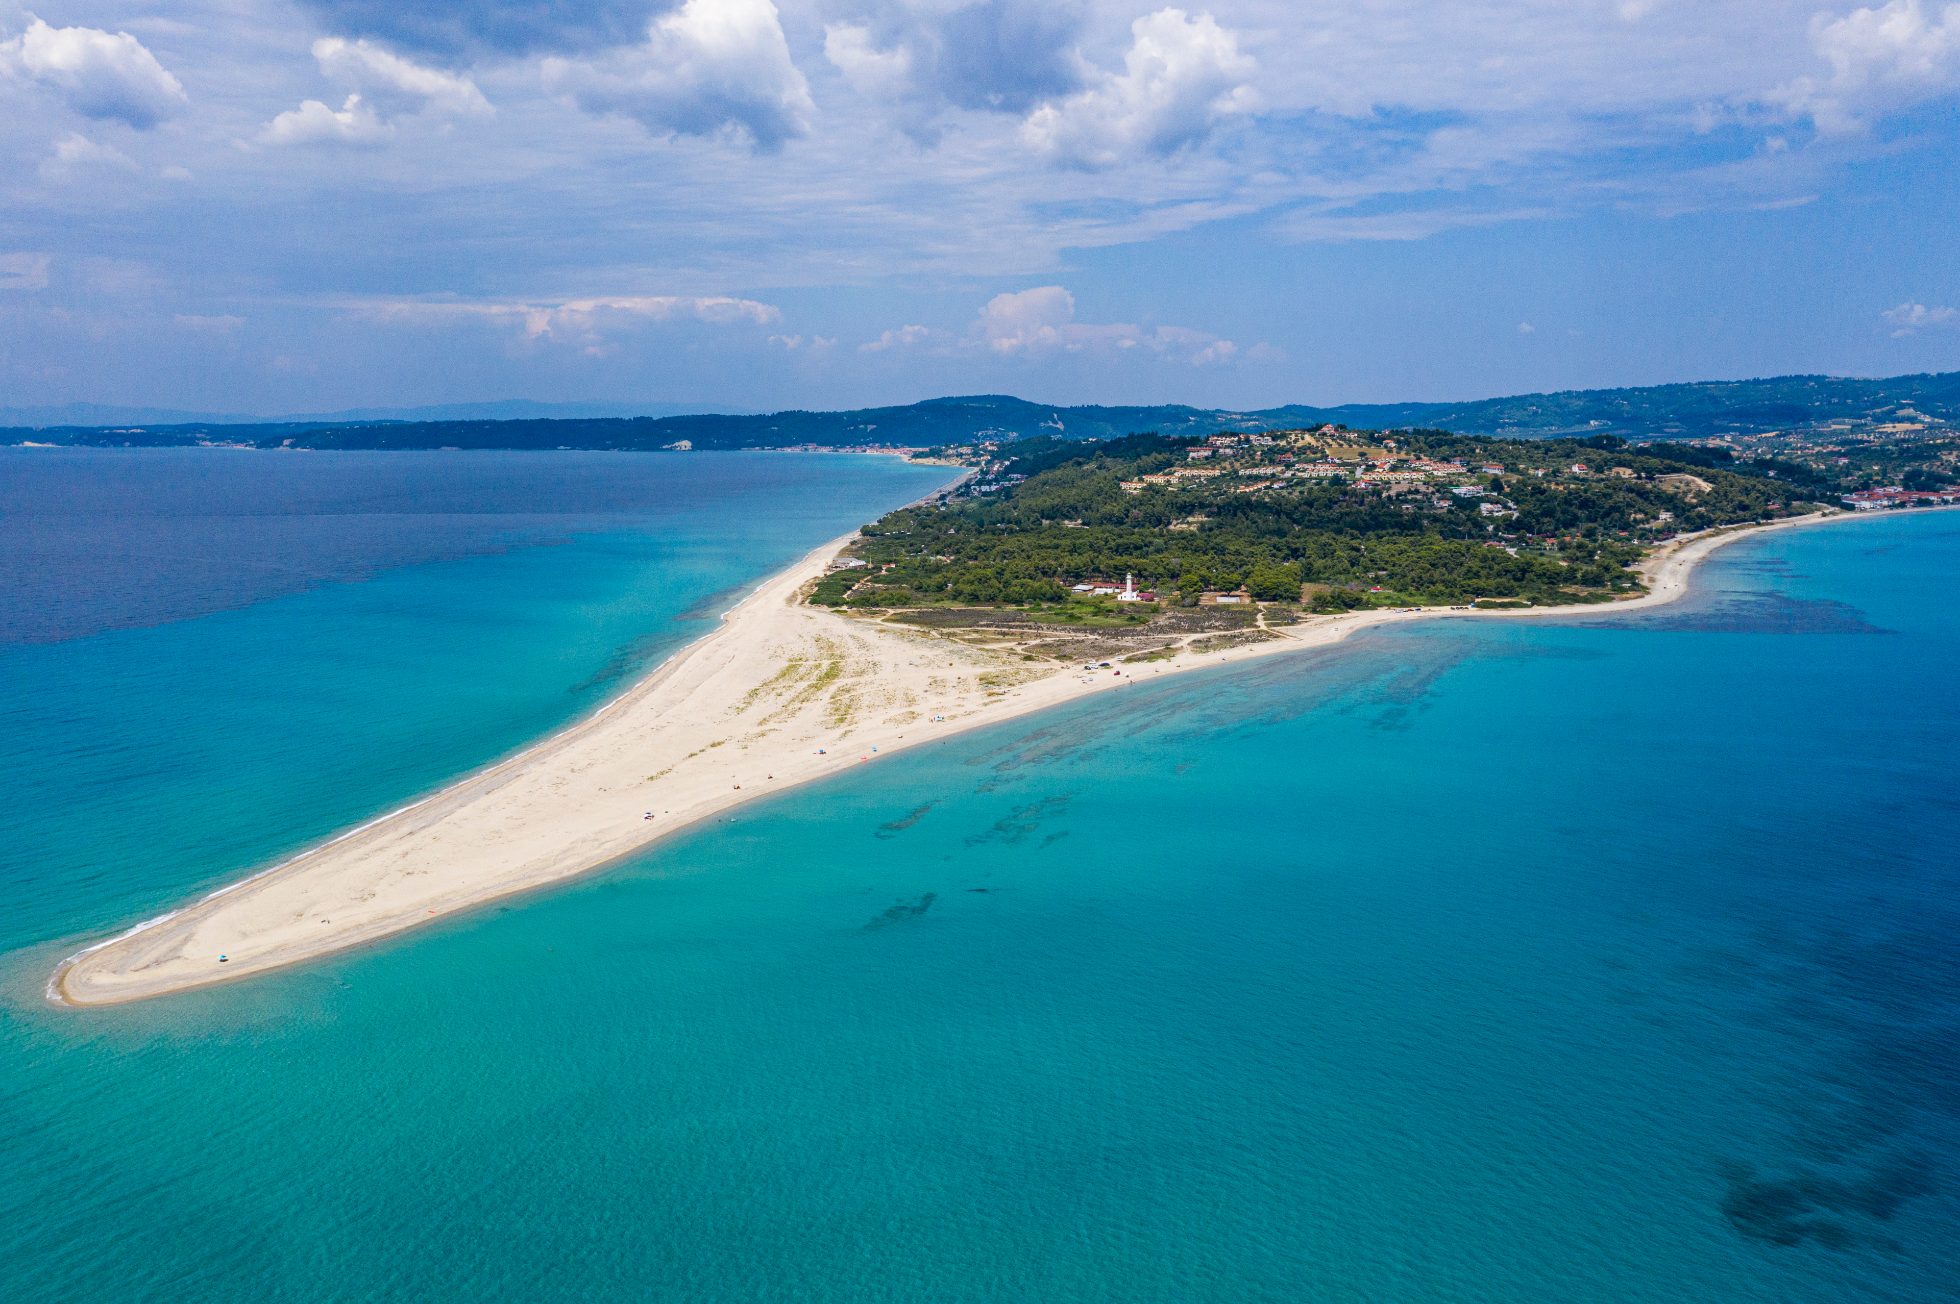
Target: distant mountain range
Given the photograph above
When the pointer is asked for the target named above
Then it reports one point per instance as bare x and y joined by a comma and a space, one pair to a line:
1652, 412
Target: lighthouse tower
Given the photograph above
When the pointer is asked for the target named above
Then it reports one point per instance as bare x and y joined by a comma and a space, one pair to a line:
1129, 593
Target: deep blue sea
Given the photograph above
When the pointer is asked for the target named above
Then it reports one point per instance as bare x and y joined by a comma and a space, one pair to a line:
1470, 961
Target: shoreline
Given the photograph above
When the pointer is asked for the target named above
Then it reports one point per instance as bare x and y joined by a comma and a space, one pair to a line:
540, 816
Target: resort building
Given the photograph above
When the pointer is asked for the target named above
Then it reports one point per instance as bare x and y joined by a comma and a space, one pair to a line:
1873, 500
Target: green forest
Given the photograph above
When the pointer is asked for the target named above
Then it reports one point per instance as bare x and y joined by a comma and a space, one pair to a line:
1052, 514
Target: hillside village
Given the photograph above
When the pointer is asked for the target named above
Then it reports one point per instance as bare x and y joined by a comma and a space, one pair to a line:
1320, 519
1267, 464
1910, 460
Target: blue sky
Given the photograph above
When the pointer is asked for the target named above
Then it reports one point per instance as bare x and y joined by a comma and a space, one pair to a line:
284, 205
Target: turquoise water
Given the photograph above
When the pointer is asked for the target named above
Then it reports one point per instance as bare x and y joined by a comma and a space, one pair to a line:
208, 659
1468, 962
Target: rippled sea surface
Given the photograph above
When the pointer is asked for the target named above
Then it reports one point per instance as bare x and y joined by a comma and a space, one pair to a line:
1469, 961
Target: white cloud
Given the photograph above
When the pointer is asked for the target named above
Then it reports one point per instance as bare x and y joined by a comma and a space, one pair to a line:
381, 87
75, 154
1526, 328
1181, 76
98, 74
313, 123
23, 271
1218, 351
710, 67
904, 337
881, 74
1881, 59
1908, 318
394, 83
921, 59
586, 322
1042, 320
803, 343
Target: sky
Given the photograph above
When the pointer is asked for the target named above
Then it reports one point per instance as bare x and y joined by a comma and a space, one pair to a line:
265, 206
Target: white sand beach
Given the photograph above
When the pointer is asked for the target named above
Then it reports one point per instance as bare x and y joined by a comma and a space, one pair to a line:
780, 694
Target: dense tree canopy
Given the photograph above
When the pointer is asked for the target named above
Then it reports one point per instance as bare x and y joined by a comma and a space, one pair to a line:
1059, 513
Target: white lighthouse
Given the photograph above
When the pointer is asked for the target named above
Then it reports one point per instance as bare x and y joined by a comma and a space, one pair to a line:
1129, 593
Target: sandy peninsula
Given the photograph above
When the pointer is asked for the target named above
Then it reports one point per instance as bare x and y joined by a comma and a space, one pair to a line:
782, 693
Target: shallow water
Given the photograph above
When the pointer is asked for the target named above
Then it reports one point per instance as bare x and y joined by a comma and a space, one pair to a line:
1467, 962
